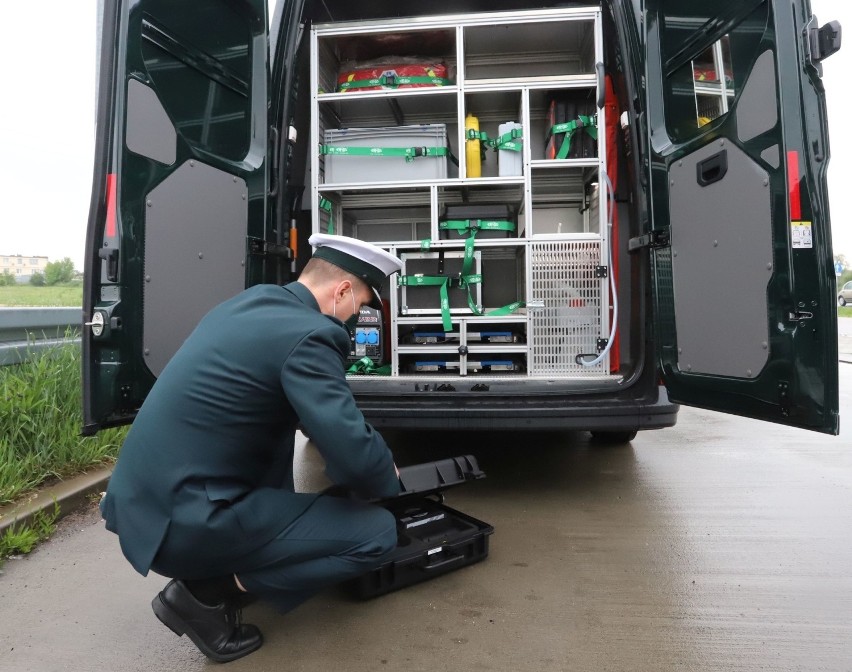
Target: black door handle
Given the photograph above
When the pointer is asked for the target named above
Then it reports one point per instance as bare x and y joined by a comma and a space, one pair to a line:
713, 168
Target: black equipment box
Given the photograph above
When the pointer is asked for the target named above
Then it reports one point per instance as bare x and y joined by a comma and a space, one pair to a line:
478, 218
433, 539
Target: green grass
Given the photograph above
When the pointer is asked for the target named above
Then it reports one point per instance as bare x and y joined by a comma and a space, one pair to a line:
21, 539
67, 295
845, 311
40, 421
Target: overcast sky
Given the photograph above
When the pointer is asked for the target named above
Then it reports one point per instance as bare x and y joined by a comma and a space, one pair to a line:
47, 126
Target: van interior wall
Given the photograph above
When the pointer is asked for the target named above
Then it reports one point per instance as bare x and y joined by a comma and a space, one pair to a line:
632, 270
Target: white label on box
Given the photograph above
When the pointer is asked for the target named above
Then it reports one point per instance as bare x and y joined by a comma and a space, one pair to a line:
434, 550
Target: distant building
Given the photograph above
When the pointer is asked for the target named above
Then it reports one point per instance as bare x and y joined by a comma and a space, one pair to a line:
22, 267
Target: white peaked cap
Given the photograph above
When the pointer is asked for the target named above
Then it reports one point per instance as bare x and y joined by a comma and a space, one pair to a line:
363, 260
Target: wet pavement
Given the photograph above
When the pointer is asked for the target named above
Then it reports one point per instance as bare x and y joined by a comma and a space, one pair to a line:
720, 544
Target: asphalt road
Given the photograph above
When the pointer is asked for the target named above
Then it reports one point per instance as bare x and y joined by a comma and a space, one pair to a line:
720, 544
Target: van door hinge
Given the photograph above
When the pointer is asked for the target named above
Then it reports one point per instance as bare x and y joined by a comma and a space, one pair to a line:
654, 240
262, 248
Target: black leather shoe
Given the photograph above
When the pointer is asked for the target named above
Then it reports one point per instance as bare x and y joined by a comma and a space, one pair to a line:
216, 631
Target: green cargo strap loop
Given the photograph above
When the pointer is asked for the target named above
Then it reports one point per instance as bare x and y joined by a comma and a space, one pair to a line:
471, 226
393, 81
587, 123
367, 366
326, 205
425, 244
507, 141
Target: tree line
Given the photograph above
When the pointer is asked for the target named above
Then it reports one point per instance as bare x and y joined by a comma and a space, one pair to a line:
56, 272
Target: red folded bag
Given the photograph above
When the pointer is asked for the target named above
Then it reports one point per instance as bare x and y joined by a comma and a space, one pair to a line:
389, 76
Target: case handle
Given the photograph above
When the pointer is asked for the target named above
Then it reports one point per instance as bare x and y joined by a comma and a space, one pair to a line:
442, 563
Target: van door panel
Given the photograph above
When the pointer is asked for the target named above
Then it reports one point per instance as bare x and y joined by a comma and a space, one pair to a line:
180, 185
721, 263
744, 307
195, 221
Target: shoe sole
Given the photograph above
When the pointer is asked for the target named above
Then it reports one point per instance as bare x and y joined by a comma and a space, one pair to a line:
172, 620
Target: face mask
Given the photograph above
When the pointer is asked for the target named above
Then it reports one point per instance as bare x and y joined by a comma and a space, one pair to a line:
351, 321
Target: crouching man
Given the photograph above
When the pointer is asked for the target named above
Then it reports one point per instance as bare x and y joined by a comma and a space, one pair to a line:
203, 488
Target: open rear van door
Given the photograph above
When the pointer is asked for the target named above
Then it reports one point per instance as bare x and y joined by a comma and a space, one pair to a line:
745, 309
179, 198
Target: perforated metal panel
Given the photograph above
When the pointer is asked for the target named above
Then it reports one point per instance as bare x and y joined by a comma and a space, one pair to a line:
566, 308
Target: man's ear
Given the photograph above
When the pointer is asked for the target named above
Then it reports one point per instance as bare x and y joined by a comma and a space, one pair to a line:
341, 289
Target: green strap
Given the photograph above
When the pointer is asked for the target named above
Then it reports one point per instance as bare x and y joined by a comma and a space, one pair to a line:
441, 281
506, 141
392, 82
465, 280
367, 366
410, 153
471, 226
326, 205
588, 123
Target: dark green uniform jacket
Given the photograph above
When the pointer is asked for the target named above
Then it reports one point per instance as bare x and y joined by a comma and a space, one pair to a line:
209, 458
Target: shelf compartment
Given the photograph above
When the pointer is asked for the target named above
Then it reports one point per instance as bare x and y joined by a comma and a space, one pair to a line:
484, 203
562, 200
459, 222
553, 106
426, 299
495, 113
438, 364
521, 50
386, 51
387, 108
387, 216
373, 154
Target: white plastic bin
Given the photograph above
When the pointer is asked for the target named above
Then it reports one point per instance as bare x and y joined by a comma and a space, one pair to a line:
343, 169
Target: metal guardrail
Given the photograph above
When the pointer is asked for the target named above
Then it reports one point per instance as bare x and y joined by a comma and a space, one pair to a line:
26, 331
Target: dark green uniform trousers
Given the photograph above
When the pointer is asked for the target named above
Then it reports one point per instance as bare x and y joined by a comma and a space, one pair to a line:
334, 539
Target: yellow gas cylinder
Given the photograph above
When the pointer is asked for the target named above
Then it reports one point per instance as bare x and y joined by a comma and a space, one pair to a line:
472, 147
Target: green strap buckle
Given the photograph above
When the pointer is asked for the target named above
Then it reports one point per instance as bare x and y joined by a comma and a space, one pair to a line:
394, 81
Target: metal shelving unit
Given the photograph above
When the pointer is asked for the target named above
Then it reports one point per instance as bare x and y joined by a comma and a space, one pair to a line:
504, 65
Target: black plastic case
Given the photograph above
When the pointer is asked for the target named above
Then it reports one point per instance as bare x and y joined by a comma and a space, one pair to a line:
479, 212
433, 538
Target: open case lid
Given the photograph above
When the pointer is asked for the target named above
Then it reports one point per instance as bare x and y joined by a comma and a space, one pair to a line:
434, 477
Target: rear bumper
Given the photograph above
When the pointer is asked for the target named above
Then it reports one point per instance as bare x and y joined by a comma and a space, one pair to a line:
535, 413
